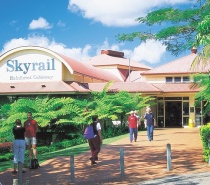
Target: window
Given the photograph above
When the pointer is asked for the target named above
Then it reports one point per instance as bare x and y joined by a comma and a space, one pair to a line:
173, 98
169, 79
177, 79
186, 108
186, 78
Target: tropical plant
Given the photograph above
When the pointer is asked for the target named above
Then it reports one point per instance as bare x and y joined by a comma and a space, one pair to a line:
69, 115
44, 109
116, 106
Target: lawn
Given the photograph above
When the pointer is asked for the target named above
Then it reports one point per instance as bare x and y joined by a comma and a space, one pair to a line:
76, 150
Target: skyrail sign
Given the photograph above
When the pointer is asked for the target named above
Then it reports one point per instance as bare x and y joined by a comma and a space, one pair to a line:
31, 67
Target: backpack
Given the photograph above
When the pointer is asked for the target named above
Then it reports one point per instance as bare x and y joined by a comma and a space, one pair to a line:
34, 164
88, 133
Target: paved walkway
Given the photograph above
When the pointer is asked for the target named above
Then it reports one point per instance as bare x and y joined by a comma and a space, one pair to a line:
144, 161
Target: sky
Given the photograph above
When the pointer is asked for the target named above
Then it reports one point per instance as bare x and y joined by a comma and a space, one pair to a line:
80, 29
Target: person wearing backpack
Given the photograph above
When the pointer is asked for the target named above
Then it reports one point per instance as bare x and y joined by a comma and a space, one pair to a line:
95, 142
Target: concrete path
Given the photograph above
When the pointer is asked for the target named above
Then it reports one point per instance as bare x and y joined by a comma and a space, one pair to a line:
190, 179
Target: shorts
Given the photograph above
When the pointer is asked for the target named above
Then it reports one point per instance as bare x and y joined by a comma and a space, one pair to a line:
30, 140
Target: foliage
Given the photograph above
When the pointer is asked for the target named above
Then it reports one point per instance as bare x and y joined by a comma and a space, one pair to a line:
69, 115
6, 157
182, 27
116, 106
202, 60
113, 131
205, 137
203, 36
202, 81
202, 63
44, 110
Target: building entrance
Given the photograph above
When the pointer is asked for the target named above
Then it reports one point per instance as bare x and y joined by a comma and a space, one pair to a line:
173, 113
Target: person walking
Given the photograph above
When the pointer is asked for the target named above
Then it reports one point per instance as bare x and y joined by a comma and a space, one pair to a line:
19, 146
31, 128
133, 126
96, 142
149, 121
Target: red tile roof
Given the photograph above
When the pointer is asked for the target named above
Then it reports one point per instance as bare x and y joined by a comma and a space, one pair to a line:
107, 60
141, 87
176, 87
144, 87
41, 87
61, 87
179, 66
88, 70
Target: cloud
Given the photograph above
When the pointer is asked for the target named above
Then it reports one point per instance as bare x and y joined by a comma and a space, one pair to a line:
75, 53
151, 52
118, 12
41, 23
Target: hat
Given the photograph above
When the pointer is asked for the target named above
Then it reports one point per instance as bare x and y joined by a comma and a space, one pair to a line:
132, 112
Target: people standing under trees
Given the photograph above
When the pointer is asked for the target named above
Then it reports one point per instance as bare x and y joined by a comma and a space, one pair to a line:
149, 121
133, 126
31, 127
96, 142
19, 146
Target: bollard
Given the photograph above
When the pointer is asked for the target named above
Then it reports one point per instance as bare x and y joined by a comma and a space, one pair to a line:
122, 168
72, 168
20, 180
168, 146
15, 182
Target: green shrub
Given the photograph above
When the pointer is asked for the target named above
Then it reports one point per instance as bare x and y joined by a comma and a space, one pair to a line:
205, 138
52, 148
6, 157
43, 149
113, 131
3, 158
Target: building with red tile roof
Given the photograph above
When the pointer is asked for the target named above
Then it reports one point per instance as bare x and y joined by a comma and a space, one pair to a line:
49, 72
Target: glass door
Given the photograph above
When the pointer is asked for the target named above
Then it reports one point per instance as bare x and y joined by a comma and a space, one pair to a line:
160, 111
185, 113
